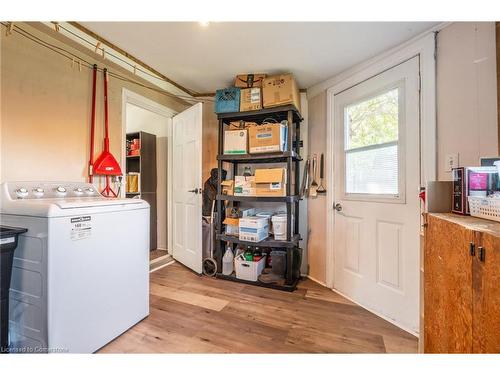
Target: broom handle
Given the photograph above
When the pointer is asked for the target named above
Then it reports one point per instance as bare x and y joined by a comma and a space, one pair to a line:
106, 140
92, 124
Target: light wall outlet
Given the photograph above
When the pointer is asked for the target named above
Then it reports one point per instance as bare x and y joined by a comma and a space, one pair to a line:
451, 161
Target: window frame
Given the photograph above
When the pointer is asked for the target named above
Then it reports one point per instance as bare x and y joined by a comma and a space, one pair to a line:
399, 198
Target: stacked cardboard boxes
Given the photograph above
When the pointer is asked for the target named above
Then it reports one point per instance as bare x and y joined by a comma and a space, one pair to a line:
267, 182
252, 92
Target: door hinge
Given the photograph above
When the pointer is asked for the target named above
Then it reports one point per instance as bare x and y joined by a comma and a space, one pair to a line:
472, 249
419, 81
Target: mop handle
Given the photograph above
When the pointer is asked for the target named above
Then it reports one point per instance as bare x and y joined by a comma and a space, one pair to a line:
92, 124
106, 141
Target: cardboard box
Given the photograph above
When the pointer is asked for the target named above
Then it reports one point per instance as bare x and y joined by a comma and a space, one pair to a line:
235, 141
251, 99
267, 138
253, 228
244, 186
270, 182
232, 226
227, 187
249, 80
280, 90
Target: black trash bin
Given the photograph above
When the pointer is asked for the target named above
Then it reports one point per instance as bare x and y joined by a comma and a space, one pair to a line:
8, 243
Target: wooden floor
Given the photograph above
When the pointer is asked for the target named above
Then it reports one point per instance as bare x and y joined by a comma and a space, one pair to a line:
194, 314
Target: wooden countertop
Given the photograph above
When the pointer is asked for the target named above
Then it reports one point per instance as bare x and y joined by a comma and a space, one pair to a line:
473, 223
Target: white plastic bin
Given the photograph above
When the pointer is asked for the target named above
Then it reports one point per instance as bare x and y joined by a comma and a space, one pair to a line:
250, 271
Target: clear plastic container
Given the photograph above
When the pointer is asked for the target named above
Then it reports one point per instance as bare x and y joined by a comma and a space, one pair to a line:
228, 262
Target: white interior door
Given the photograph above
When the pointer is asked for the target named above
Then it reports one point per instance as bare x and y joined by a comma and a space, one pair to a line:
377, 182
186, 187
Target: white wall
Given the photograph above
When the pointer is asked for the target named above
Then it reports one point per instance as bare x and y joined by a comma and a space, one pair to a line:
139, 119
466, 93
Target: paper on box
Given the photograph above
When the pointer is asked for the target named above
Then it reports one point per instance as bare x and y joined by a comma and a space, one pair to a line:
253, 222
250, 99
235, 141
244, 186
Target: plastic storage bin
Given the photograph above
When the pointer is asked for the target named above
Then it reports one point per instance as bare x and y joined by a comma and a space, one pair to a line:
247, 270
279, 227
227, 100
486, 208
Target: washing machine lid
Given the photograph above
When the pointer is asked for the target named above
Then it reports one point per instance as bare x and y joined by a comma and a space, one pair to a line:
60, 200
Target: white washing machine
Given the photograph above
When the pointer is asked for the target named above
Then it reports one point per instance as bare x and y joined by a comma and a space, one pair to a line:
81, 272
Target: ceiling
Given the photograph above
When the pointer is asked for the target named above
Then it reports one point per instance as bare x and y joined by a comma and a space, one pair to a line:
204, 58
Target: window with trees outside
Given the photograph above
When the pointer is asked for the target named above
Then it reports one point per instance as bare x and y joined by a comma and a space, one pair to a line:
371, 131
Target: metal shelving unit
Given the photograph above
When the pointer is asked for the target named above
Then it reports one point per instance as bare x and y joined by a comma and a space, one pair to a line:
292, 160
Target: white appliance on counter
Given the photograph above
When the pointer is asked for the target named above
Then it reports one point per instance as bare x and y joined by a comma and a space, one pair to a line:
80, 276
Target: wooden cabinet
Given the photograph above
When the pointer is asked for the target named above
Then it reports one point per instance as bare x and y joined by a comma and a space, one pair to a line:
486, 292
461, 285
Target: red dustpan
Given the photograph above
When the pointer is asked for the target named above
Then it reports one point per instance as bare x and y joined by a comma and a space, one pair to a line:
106, 163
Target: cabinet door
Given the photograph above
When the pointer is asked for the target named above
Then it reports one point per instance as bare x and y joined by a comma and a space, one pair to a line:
448, 287
486, 289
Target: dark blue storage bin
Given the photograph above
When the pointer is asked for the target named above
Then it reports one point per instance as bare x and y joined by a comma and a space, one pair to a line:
227, 100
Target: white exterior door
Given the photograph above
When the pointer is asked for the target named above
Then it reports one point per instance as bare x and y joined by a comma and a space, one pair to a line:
377, 182
186, 187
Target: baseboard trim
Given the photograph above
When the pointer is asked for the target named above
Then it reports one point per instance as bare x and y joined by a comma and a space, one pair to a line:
160, 259
159, 265
316, 280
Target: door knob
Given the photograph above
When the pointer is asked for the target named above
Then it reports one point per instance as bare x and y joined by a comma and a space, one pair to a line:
338, 207
196, 191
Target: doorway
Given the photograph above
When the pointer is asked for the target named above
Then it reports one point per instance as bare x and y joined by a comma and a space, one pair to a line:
147, 131
376, 206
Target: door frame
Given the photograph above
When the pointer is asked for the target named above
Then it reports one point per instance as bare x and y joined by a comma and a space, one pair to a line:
424, 49
131, 97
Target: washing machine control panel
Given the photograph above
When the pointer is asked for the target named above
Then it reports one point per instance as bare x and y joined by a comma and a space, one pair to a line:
38, 192
78, 191
50, 190
22, 192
